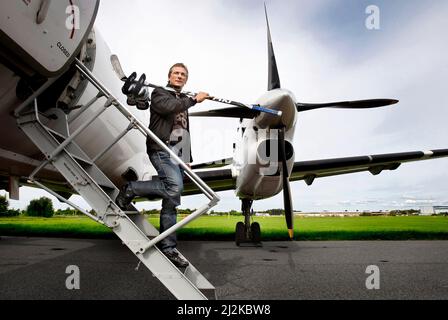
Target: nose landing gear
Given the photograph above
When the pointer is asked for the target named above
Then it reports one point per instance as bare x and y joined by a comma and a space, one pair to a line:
247, 233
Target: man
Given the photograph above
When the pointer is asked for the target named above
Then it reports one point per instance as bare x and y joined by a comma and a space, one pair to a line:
169, 122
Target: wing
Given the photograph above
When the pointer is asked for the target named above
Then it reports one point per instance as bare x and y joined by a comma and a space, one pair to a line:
212, 164
218, 180
221, 179
375, 164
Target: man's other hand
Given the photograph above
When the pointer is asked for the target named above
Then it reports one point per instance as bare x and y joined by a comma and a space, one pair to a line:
201, 96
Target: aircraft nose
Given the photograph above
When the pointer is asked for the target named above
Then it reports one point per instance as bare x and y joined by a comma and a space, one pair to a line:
288, 108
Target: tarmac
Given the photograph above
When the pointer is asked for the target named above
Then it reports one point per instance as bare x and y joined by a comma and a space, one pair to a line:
39, 268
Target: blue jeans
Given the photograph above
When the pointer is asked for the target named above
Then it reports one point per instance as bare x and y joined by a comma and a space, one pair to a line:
169, 187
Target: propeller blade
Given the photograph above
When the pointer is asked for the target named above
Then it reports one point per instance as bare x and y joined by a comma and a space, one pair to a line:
273, 77
360, 104
286, 189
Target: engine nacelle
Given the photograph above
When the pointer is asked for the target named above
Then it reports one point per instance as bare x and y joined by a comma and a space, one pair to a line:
259, 170
268, 151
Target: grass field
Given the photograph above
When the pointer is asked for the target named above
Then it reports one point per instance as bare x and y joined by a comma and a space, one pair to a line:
272, 228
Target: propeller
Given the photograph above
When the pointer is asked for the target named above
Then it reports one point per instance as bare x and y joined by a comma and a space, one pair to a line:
286, 189
273, 77
274, 83
359, 104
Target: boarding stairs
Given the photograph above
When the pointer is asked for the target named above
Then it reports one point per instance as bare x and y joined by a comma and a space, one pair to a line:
60, 150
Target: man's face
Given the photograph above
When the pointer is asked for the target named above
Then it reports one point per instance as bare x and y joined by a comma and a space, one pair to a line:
178, 77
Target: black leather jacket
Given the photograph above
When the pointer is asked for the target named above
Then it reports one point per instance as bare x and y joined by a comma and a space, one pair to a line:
164, 107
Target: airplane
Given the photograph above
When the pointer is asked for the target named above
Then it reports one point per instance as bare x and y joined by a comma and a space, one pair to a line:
39, 44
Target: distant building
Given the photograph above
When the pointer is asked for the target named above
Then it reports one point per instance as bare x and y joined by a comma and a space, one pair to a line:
430, 210
262, 214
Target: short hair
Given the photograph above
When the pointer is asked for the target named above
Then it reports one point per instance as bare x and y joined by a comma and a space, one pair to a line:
177, 65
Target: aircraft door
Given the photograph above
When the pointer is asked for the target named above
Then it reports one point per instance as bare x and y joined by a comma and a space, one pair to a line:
44, 35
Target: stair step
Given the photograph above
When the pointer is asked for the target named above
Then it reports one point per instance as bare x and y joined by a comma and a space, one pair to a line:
131, 212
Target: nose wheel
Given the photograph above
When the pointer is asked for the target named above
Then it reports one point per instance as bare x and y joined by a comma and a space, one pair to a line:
247, 233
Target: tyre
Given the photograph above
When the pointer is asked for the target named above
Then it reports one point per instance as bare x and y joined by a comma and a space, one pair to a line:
256, 232
239, 233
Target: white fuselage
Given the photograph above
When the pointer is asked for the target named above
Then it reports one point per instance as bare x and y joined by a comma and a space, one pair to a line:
128, 154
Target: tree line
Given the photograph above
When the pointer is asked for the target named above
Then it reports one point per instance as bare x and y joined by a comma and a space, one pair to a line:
42, 207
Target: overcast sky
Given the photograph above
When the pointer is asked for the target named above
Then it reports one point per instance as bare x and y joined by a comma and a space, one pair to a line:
324, 53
